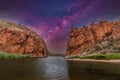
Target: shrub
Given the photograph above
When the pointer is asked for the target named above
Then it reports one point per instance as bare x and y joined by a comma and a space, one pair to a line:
97, 48
110, 44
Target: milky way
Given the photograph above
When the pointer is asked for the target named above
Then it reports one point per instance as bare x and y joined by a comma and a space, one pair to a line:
52, 19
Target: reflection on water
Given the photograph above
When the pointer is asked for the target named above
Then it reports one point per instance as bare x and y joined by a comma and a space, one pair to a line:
51, 68
93, 71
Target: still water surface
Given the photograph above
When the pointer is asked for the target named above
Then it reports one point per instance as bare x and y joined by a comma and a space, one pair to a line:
51, 68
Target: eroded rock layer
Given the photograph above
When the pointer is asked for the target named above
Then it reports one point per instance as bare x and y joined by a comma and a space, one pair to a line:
17, 39
85, 37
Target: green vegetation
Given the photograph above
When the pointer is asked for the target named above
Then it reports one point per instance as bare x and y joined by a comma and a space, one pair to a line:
97, 48
4, 55
98, 56
110, 44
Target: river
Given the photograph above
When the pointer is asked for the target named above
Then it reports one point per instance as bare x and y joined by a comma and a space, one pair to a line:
52, 68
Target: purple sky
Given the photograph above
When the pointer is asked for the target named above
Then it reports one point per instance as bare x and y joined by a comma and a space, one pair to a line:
52, 19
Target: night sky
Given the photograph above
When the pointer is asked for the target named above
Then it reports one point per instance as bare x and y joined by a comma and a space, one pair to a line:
52, 19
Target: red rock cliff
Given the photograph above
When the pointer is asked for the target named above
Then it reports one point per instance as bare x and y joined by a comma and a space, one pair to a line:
17, 39
85, 37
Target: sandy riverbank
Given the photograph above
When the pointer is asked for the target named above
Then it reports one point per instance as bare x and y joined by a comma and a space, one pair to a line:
94, 60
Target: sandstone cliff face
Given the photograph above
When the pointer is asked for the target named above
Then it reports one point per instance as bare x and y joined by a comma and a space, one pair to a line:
85, 37
17, 39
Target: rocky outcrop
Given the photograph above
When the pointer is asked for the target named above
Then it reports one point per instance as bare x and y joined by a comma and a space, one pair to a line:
17, 39
86, 37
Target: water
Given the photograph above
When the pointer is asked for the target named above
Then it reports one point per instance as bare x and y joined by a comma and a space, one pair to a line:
54, 68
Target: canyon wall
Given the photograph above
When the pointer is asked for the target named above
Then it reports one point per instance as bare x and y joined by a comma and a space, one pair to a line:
17, 39
85, 37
